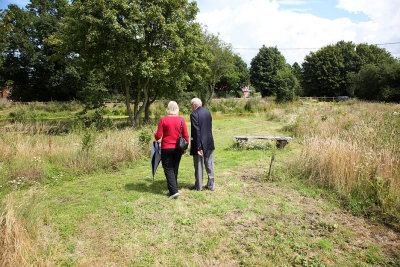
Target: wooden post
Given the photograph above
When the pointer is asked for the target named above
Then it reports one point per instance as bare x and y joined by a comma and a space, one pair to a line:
270, 164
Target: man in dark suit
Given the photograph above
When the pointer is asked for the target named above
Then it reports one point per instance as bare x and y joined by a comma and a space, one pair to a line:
202, 144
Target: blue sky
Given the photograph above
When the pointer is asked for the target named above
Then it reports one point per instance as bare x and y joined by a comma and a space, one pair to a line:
5, 3
320, 8
324, 9
296, 27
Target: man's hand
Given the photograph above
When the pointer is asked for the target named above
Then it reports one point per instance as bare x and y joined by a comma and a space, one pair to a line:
200, 153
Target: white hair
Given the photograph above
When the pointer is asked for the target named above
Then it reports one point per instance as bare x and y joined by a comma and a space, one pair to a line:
196, 101
172, 108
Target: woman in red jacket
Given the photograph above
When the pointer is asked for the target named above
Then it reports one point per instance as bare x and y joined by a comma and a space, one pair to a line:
169, 129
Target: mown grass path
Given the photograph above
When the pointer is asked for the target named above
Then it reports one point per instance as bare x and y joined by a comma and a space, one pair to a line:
124, 219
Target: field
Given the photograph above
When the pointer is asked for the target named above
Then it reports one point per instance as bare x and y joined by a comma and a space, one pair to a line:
77, 189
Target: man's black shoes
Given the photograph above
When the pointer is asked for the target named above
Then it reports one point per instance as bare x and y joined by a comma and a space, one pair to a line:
194, 188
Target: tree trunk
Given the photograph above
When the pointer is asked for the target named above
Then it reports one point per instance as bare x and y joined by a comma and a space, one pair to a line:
211, 95
147, 109
140, 109
128, 102
147, 112
136, 104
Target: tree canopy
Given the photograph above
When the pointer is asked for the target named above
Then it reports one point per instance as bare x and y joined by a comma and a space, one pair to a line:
27, 58
378, 82
237, 77
264, 67
328, 71
141, 44
221, 64
287, 86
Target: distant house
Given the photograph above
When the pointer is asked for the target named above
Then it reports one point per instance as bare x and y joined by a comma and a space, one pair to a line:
4, 93
246, 91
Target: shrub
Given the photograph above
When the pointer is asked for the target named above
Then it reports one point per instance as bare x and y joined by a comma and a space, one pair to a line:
145, 136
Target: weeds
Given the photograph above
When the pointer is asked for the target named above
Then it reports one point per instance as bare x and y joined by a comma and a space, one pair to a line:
251, 145
353, 149
240, 106
35, 156
88, 140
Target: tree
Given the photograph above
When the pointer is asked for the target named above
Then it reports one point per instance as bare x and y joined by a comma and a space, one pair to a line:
28, 59
17, 50
4, 31
220, 63
372, 54
322, 73
287, 85
329, 71
242, 70
237, 77
138, 43
296, 69
264, 67
378, 82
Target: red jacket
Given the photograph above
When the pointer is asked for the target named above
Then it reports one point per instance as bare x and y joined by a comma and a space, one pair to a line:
168, 129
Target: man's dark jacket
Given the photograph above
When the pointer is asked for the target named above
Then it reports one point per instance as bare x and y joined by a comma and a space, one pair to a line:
201, 131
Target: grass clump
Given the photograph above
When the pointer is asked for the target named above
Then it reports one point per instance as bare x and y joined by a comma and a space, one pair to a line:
240, 106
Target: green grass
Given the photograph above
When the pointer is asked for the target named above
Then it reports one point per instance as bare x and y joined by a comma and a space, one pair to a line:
125, 219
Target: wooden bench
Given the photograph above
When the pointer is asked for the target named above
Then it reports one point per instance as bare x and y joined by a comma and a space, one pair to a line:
281, 142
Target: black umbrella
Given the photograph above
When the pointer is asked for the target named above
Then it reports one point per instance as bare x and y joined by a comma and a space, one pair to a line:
155, 157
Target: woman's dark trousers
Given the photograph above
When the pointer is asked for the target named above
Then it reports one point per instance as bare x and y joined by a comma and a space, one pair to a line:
170, 159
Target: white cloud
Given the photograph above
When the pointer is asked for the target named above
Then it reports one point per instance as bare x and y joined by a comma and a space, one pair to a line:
253, 23
291, 2
386, 10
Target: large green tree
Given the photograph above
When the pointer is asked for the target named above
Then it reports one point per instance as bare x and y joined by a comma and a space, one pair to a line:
28, 60
220, 61
138, 43
237, 77
264, 67
296, 69
5, 28
323, 73
286, 84
378, 82
329, 71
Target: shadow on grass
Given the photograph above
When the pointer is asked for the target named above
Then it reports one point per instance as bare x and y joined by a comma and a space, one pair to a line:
158, 187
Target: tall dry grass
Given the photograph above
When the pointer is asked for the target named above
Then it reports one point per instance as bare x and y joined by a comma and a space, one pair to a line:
16, 246
28, 158
353, 148
29, 154
22, 222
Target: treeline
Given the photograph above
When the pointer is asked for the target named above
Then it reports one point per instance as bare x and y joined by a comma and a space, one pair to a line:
95, 50
344, 69
147, 50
